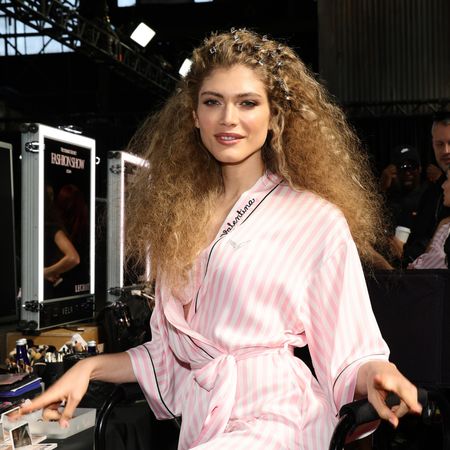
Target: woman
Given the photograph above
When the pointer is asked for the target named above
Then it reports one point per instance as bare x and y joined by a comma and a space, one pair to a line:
60, 255
254, 190
436, 255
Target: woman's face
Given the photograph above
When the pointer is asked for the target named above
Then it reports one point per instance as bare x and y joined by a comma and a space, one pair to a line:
446, 189
233, 115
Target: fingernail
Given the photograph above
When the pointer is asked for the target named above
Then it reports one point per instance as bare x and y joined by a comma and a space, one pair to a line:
393, 422
64, 423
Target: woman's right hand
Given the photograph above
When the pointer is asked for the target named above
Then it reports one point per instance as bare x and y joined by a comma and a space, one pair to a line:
70, 389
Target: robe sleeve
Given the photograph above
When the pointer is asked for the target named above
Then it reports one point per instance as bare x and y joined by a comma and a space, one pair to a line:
434, 257
340, 326
159, 373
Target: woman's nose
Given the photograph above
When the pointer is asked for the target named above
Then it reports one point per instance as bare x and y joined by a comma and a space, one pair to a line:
229, 115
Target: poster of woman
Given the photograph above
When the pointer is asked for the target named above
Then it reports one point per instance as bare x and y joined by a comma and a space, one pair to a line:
67, 239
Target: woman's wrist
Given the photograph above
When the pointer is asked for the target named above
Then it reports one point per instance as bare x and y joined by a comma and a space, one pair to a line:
367, 372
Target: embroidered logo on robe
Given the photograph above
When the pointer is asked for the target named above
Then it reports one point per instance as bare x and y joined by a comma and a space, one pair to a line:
240, 213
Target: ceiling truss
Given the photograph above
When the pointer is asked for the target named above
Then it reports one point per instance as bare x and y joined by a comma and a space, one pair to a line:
96, 40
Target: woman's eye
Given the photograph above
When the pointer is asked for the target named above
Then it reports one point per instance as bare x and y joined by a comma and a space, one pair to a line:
211, 101
249, 103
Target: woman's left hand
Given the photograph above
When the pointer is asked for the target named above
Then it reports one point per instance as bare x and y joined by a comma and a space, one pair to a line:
376, 379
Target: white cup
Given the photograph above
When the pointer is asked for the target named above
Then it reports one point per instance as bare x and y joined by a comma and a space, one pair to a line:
402, 234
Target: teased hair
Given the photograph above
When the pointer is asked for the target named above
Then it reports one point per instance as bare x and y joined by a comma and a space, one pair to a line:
310, 145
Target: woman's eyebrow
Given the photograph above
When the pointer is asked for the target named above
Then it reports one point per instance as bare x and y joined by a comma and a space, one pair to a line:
244, 94
216, 94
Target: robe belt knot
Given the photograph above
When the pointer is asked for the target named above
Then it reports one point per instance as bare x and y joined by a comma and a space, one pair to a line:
219, 378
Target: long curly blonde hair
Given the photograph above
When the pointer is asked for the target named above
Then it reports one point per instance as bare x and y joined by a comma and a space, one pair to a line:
310, 145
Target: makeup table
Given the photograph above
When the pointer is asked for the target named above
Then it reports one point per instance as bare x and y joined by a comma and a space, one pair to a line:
84, 440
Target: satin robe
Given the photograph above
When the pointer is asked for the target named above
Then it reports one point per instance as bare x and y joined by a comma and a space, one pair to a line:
282, 272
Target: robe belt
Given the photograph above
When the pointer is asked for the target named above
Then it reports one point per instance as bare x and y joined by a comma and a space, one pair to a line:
219, 378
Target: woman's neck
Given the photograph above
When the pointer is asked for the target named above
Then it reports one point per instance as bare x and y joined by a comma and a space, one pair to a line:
238, 179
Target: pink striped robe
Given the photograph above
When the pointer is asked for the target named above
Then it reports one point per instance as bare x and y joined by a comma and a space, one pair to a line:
284, 272
434, 257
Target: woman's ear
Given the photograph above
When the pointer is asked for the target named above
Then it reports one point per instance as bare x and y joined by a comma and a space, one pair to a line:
273, 118
194, 115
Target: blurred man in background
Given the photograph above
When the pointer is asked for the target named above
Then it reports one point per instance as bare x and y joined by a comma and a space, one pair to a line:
431, 209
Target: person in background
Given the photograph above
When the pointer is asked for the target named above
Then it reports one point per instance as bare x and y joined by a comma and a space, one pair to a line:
402, 188
402, 185
436, 255
431, 209
253, 250
447, 250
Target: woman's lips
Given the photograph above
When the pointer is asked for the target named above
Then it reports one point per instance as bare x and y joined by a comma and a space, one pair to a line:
228, 138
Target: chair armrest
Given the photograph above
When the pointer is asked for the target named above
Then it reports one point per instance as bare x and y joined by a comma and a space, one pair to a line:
360, 412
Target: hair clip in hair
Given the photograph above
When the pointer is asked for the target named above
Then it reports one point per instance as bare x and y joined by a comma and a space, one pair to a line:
240, 47
213, 50
283, 86
281, 82
260, 60
233, 30
265, 38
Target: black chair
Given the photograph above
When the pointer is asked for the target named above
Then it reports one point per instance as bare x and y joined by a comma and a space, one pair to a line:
361, 412
126, 421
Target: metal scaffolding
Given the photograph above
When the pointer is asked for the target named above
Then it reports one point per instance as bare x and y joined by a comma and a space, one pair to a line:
97, 40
